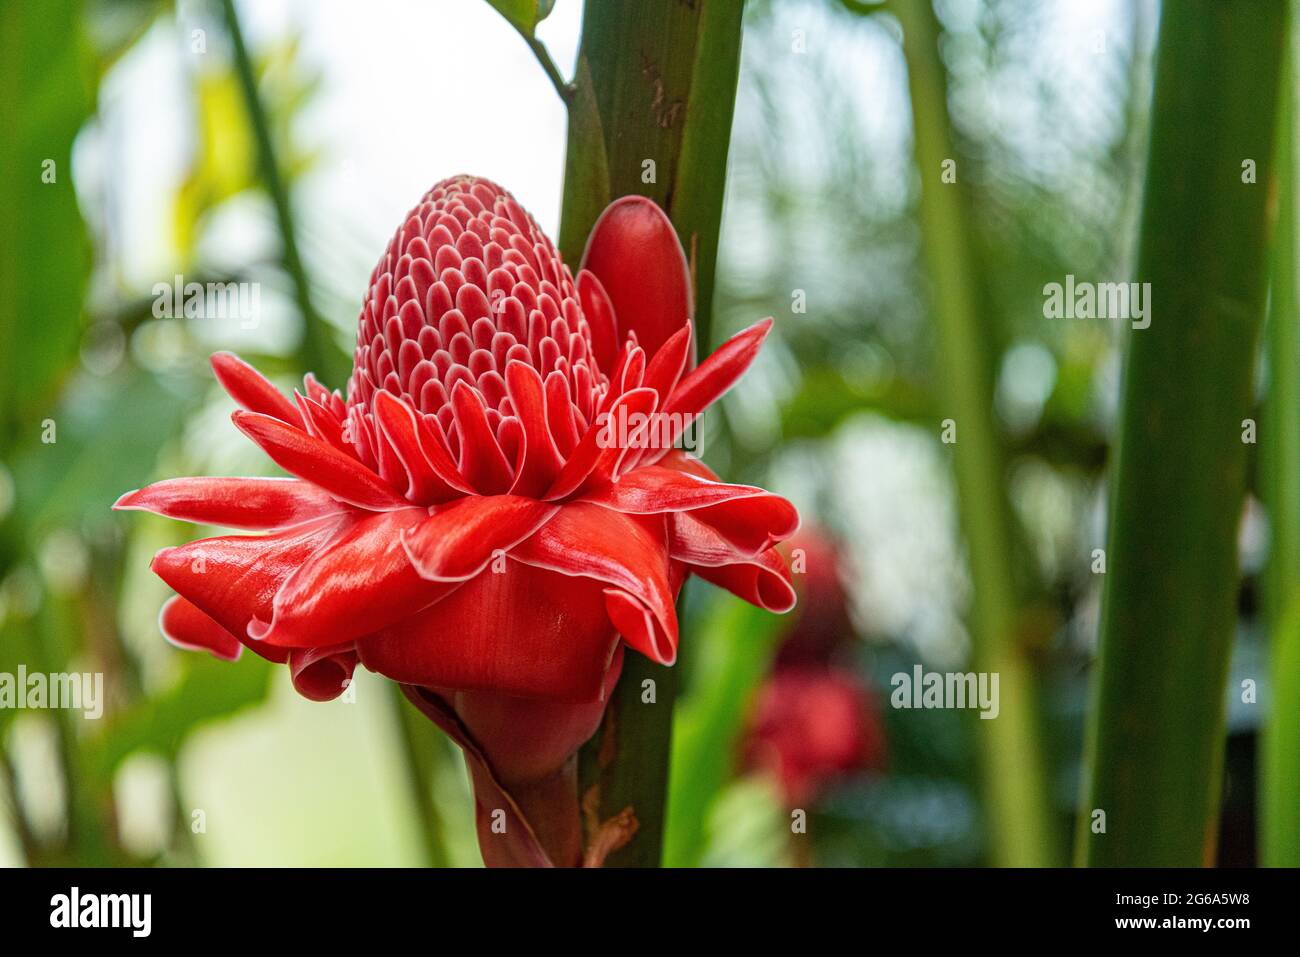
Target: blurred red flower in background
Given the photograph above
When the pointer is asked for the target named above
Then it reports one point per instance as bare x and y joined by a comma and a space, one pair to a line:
463, 523
814, 720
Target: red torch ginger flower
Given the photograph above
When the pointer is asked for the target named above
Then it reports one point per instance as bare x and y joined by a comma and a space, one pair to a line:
813, 725
467, 522
814, 721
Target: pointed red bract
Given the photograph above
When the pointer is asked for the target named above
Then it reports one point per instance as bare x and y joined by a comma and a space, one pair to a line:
634, 252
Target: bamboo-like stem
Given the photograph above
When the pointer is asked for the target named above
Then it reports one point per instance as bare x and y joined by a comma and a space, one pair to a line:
1156, 727
319, 354
1016, 793
1279, 779
655, 84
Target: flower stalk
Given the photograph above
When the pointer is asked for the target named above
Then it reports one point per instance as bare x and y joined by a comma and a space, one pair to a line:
650, 114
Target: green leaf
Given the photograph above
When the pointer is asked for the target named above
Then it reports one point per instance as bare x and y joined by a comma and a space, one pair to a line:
1279, 781
735, 644
208, 690
524, 15
45, 97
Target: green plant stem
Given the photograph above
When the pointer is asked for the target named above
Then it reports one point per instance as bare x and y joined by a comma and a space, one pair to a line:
318, 352
1279, 781
1016, 793
655, 81
562, 88
1156, 729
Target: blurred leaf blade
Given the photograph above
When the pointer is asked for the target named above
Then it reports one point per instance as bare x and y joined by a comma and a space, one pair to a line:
737, 644
45, 97
524, 15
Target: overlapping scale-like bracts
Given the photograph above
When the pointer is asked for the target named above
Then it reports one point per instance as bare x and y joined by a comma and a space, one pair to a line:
468, 285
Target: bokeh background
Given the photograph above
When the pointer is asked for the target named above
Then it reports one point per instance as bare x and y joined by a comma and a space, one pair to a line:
140, 106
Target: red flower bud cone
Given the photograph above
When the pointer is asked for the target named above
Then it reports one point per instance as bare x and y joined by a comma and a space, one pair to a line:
461, 522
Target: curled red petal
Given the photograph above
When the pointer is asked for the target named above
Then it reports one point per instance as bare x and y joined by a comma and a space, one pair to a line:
458, 539
541, 461
399, 424
763, 580
634, 251
185, 626
595, 454
321, 422
358, 581
626, 551
233, 578
322, 674
518, 630
652, 488
251, 390
738, 528
481, 460
320, 463
248, 503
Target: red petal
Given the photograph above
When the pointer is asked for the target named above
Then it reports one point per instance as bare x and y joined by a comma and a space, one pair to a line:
742, 527
359, 581
184, 626
599, 313
653, 488
251, 390
320, 463
628, 552
323, 423
634, 252
703, 386
590, 457
322, 674
481, 460
234, 577
458, 540
541, 461
668, 364
521, 631
763, 580
398, 422
251, 503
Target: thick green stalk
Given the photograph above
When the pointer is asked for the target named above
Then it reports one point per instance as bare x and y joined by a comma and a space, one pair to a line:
1280, 459
1016, 795
655, 84
1156, 728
